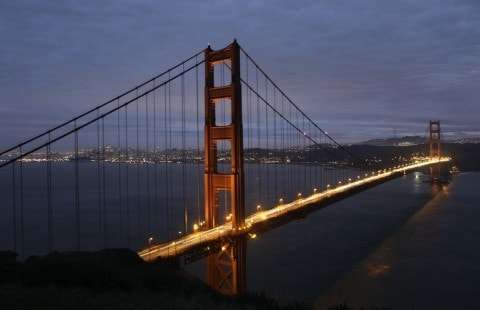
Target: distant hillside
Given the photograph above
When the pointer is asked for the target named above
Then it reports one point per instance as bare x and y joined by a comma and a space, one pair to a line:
465, 155
473, 140
403, 141
416, 140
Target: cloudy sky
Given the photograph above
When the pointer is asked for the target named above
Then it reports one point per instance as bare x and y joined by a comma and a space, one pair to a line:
361, 69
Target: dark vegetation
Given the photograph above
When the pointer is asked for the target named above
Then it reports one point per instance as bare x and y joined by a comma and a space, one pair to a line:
113, 279
109, 279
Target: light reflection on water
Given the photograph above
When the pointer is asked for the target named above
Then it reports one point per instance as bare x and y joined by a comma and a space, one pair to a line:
403, 244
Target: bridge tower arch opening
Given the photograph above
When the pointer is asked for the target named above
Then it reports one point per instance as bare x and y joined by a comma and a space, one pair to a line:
225, 270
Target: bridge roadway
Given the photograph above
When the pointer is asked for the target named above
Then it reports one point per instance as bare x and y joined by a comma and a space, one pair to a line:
189, 242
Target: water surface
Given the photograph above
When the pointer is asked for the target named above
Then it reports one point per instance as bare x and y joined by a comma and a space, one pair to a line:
403, 244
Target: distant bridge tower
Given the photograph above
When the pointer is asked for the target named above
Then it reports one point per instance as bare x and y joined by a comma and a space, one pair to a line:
434, 139
434, 148
226, 270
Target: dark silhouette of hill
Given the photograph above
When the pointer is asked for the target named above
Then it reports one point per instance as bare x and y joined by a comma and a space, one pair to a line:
110, 279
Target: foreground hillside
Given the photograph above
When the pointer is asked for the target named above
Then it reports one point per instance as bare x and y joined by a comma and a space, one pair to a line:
109, 279
112, 279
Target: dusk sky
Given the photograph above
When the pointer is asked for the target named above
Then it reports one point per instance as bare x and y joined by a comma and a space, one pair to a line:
360, 69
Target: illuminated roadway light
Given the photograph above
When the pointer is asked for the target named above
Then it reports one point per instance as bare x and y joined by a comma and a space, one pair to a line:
280, 200
224, 247
349, 180
187, 241
253, 236
315, 190
328, 186
299, 195
195, 227
259, 207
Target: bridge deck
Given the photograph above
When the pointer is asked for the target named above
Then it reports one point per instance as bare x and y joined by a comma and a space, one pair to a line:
193, 240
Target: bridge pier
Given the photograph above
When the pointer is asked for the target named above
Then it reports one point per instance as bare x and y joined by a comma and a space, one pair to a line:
226, 270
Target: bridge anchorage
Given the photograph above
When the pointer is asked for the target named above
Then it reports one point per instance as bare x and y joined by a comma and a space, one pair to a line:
134, 172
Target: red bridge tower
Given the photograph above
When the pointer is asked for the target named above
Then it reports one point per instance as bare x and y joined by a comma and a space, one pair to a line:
434, 148
225, 270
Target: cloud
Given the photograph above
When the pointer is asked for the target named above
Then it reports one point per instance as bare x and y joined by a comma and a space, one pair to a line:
383, 63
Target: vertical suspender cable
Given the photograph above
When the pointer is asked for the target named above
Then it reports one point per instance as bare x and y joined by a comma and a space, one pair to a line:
155, 153
249, 124
77, 192
310, 157
99, 186
275, 151
300, 147
49, 197
184, 155
137, 165
104, 194
119, 171
324, 165
259, 152
223, 147
283, 152
127, 181
169, 115
197, 170
267, 168
14, 207
147, 167
305, 153
22, 227
166, 179
290, 151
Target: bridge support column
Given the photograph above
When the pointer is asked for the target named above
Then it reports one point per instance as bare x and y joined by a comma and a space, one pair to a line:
232, 181
227, 268
434, 149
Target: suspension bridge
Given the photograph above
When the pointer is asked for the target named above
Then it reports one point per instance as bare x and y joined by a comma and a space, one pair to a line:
189, 163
